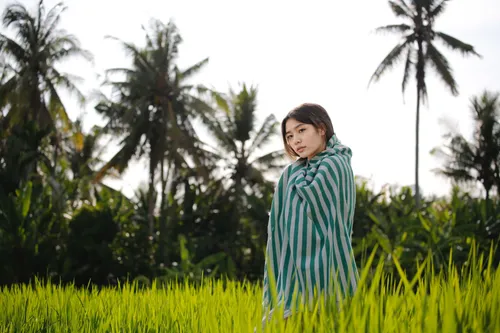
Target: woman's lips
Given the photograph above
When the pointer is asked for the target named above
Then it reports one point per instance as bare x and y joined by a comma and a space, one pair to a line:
301, 149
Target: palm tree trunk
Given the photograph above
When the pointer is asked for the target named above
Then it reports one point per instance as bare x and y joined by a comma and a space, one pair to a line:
151, 199
417, 127
420, 78
162, 255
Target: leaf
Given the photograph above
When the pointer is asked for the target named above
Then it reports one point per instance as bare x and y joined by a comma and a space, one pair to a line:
78, 140
401, 9
211, 260
382, 240
374, 218
407, 70
442, 67
393, 28
26, 199
425, 223
391, 59
457, 45
184, 252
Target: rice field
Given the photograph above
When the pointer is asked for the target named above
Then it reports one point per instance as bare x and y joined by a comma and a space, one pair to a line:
452, 301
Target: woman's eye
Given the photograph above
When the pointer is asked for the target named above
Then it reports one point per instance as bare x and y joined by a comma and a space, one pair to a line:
302, 130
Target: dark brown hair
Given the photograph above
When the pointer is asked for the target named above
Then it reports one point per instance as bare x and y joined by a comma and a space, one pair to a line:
307, 113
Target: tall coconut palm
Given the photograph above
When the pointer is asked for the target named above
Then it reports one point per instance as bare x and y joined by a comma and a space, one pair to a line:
32, 80
239, 141
418, 48
477, 161
244, 171
153, 108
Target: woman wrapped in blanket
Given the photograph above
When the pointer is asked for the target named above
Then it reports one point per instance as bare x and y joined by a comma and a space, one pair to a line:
309, 254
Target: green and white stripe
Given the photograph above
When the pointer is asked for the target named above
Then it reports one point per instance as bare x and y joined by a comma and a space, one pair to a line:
310, 227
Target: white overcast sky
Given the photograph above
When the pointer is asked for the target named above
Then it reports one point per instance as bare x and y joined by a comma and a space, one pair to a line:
298, 51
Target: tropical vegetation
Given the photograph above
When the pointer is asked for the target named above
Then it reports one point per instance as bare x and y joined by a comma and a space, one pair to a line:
78, 254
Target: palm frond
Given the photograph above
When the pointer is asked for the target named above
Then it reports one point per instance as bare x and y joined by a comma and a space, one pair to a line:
401, 9
196, 105
439, 62
221, 102
266, 132
120, 160
390, 60
51, 21
138, 56
16, 14
19, 19
407, 70
457, 45
56, 108
184, 138
44, 117
120, 71
41, 13
218, 98
187, 73
275, 160
457, 174
67, 81
66, 47
394, 28
12, 48
438, 9
220, 132
461, 154
7, 90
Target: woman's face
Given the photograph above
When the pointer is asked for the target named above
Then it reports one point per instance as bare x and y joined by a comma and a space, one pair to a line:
304, 139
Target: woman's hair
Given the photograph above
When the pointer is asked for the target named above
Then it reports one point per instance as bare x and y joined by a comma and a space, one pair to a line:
307, 113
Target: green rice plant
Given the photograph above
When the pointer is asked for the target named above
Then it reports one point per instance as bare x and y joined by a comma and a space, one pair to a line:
455, 300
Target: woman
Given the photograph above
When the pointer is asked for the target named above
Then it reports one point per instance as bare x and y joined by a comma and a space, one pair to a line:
310, 225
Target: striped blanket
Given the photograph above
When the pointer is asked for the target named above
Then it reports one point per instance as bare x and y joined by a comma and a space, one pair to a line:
309, 232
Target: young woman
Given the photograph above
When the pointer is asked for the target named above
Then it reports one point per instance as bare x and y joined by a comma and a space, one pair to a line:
310, 225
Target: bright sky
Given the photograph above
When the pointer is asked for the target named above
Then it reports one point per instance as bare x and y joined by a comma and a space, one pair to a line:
298, 51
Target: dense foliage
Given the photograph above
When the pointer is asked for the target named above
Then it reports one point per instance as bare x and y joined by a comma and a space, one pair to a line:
205, 210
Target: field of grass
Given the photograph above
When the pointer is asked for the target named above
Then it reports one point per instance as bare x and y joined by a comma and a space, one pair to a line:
465, 301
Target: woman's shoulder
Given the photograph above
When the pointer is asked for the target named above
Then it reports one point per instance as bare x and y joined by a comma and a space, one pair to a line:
289, 170
338, 162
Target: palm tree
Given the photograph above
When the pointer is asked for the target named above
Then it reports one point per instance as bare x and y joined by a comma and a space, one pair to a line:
239, 141
83, 154
243, 169
417, 47
153, 109
479, 160
30, 89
